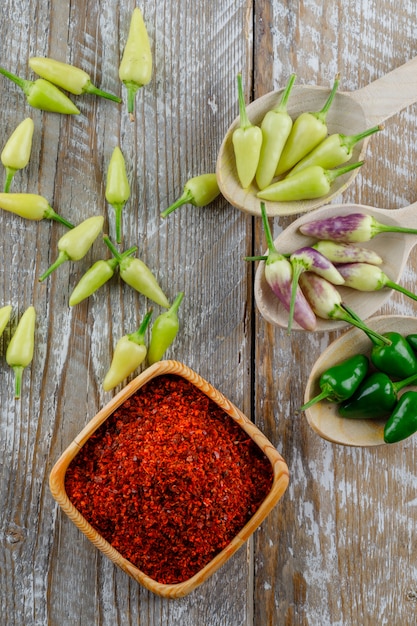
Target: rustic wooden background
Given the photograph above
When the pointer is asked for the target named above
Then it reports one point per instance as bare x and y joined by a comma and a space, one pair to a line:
340, 547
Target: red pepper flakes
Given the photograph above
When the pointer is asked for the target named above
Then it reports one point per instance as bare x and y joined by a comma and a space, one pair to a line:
169, 479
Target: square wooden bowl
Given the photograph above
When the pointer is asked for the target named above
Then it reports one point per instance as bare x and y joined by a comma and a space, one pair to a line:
279, 483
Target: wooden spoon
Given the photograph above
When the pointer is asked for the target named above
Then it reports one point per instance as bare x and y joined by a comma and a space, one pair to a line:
394, 248
350, 113
323, 417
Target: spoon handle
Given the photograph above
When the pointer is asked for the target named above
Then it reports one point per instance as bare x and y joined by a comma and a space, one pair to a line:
389, 94
405, 217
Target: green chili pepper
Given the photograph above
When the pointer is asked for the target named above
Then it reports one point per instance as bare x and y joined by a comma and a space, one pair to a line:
43, 95
75, 244
164, 331
135, 68
68, 77
308, 130
276, 127
5, 313
247, 142
340, 382
31, 206
335, 150
402, 422
19, 352
129, 353
311, 182
396, 359
16, 152
117, 188
375, 397
95, 277
412, 341
137, 275
198, 191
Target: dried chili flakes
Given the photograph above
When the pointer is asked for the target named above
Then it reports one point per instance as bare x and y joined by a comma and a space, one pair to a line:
169, 479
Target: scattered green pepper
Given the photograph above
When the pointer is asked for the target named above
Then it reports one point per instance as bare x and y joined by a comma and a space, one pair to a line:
31, 206
129, 353
276, 127
5, 313
20, 350
68, 77
247, 142
43, 95
135, 68
375, 398
164, 331
117, 188
75, 244
402, 423
137, 274
311, 182
340, 382
16, 152
198, 191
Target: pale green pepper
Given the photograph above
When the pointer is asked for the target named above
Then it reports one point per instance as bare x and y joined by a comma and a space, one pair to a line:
20, 350
198, 191
117, 188
30, 206
16, 152
75, 244
247, 142
5, 313
129, 352
68, 77
164, 331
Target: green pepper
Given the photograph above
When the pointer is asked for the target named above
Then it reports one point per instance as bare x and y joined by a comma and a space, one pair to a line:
137, 275
16, 152
95, 277
75, 244
129, 353
308, 130
334, 150
68, 77
135, 68
164, 331
276, 127
396, 359
31, 206
43, 95
311, 182
117, 188
5, 313
20, 350
247, 142
375, 398
412, 341
340, 382
198, 191
402, 422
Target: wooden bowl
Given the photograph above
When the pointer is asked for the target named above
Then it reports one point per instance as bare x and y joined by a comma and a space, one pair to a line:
279, 484
323, 417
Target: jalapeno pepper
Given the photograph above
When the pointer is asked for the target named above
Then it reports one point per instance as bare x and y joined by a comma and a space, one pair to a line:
375, 397
247, 142
16, 152
30, 206
129, 353
43, 95
164, 331
20, 350
402, 422
199, 191
396, 359
341, 381
68, 77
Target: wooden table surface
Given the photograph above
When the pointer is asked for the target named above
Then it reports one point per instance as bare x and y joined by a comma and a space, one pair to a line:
339, 549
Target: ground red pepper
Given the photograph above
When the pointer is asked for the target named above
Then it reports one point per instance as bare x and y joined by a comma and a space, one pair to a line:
169, 479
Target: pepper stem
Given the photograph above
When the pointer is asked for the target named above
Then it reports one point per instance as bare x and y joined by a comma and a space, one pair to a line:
333, 174
401, 289
244, 120
20, 82
112, 248
131, 93
18, 371
10, 172
322, 114
62, 257
348, 315
259, 257
118, 208
186, 197
273, 253
92, 89
282, 107
52, 215
321, 396
348, 141
176, 304
139, 335
400, 384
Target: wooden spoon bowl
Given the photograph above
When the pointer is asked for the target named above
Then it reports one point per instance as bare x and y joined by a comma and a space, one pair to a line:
350, 113
323, 417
